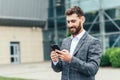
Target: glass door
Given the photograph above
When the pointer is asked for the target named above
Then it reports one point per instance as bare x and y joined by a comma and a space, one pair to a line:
15, 52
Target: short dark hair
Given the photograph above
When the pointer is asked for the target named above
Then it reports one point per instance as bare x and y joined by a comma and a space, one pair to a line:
73, 10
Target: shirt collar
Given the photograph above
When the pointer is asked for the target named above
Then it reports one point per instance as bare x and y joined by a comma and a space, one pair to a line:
79, 35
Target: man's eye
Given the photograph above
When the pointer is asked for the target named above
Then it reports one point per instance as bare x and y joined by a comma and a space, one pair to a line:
73, 21
68, 21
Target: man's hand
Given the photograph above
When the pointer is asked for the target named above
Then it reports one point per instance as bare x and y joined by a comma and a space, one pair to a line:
54, 56
64, 55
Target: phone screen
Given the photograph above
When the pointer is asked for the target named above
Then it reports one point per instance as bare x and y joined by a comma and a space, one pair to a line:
54, 46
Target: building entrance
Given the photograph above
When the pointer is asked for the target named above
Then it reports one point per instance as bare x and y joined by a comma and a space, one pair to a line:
15, 52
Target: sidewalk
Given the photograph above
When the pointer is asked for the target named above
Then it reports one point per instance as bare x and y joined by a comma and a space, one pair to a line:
43, 71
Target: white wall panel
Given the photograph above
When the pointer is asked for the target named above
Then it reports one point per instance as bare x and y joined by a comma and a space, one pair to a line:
24, 9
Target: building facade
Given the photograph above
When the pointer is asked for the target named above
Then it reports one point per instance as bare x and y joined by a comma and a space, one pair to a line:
20, 45
21, 30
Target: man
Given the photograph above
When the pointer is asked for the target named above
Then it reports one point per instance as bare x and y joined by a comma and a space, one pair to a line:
80, 54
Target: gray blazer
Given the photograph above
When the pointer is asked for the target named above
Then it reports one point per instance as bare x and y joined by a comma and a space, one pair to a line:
85, 61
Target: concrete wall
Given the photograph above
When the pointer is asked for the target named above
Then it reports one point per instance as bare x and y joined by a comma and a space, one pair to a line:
30, 39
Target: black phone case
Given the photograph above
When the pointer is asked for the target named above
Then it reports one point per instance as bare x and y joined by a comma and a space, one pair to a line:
54, 46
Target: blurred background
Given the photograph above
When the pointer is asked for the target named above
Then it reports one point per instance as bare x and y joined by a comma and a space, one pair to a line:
28, 27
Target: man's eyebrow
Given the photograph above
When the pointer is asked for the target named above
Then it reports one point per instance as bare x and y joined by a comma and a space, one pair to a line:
71, 20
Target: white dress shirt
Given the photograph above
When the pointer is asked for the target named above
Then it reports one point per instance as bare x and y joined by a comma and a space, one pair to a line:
75, 41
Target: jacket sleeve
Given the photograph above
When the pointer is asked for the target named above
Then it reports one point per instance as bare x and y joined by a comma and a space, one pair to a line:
58, 66
89, 67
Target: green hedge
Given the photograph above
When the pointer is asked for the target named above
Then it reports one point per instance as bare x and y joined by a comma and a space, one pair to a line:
115, 58
105, 61
111, 57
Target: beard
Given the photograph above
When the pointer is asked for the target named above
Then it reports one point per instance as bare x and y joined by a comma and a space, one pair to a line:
74, 30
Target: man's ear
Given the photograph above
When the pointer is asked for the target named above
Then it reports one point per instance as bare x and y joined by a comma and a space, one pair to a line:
83, 19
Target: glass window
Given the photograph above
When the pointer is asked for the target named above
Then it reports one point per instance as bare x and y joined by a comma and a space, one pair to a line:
95, 29
60, 10
60, 7
12, 52
75, 2
110, 27
61, 23
117, 13
12, 59
50, 23
91, 16
110, 13
50, 9
50, 12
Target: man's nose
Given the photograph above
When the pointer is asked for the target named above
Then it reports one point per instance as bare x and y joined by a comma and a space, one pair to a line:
70, 24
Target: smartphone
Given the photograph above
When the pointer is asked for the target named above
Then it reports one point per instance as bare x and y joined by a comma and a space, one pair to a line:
54, 46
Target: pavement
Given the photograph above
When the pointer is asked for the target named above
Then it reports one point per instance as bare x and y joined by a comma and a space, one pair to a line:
43, 71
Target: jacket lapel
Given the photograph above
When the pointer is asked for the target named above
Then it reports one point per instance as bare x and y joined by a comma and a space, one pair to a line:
80, 43
69, 43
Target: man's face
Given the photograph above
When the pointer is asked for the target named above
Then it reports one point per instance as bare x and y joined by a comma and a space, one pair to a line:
74, 23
